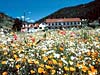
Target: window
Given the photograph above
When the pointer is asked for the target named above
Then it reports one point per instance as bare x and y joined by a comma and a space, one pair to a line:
40, 27
49, 27
71, 23
42, 23
35, 27
52, 24
56, 27
75, 23
78, 22
59, 23
56, 23
64, 23
49, 24
65, 27
67, 23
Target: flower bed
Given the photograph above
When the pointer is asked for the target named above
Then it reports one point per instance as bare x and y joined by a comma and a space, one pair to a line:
51, 53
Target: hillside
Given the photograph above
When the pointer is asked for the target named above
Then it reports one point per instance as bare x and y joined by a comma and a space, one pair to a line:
6, 21
90, 11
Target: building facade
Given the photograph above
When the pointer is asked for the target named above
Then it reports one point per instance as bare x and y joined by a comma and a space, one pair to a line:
53, 24
62, 23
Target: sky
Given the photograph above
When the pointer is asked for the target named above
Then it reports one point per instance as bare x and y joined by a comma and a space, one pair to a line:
35, 9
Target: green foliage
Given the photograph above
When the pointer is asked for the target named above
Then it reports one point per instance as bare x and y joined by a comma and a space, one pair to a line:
5, 21
17, 25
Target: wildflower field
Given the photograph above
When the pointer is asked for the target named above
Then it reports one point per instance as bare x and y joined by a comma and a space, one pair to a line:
53, 52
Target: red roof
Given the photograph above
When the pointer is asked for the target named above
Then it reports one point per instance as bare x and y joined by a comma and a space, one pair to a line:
36, 25
63, 20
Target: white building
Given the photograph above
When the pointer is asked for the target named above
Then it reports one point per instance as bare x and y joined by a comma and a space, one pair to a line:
53, 24
63, 23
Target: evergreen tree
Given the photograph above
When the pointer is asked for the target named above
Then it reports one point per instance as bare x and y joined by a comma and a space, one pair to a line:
17, 25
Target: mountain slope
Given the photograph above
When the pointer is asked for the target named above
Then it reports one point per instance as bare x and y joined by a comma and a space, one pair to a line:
6, 21
90, 11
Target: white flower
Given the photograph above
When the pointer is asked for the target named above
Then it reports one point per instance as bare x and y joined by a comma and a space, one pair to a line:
64, 61
71, 63
86, 58
45, 48
8, 39
56, 55
52, 51
93, 63
97, 46
32, 55
21, 55
79, 53
4, 48
72, 57
11, 59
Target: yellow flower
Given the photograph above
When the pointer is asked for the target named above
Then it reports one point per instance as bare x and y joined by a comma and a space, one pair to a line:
65, 74
98, 60
54, 61
23, 59
50, 56
84, 68
80, 57
94, 72
71, 63
41, 65
96, 38
72, 39
15, 56
3, 62
18, 66
30, 61
36, 62
78, 65
50, 62
14, 51
64, 57
45, 58
91, 67
12, 33
34, 44
5, 53
32, 72
5, 73
60, 63
41, 70
72, 69
48, 67
17, 59
53, 72
66, 68
55, 48
89, 53
94, 54
61, 48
